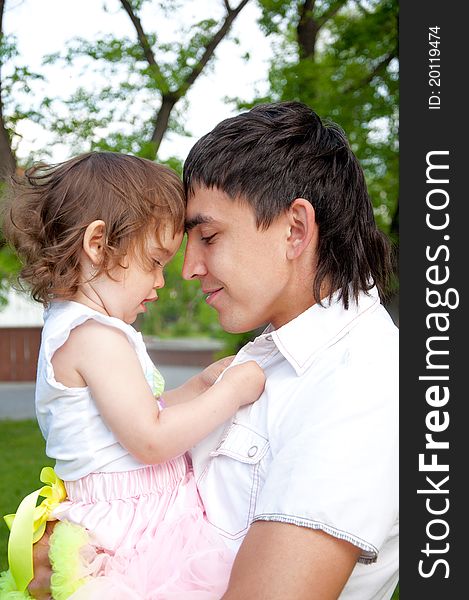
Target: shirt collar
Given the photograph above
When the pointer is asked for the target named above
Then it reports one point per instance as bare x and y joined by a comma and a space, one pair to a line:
302, 339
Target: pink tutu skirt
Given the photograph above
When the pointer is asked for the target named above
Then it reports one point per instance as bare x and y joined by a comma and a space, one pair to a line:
149, 536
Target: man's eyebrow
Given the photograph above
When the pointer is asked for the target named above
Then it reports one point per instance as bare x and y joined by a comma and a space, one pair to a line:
197, 220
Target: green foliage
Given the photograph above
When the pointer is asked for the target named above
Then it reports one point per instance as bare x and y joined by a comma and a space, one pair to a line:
131, 79
9, 266
349, 75
16, 91
9, 262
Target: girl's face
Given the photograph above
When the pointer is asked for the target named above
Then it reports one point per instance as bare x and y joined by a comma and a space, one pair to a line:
129, 288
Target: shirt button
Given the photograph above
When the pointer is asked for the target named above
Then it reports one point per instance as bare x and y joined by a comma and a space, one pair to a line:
269, 338
252, 451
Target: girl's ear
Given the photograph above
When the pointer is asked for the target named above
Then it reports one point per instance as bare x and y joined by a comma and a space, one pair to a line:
302, 227
94, 241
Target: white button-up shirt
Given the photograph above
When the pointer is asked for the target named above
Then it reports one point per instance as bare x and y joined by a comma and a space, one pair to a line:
319, 449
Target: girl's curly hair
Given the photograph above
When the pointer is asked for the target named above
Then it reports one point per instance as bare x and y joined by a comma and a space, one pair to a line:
47, 211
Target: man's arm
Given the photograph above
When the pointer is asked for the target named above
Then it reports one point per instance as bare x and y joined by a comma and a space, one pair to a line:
280, 561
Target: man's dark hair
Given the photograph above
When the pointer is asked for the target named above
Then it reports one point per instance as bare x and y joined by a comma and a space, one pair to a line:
277, 152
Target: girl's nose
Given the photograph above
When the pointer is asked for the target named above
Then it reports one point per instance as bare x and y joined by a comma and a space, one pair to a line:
159, 280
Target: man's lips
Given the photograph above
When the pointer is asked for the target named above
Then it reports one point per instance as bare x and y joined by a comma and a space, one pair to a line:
211, 294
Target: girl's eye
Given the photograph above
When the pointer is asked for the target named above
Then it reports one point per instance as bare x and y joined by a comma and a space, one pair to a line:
158, 263
208, 238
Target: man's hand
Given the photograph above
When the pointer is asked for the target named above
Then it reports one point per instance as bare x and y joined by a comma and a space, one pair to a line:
39, 587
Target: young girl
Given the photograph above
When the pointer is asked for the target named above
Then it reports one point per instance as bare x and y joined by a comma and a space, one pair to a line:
95, 234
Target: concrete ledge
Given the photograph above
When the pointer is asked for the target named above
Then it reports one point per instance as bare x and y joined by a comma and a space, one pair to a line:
189, 352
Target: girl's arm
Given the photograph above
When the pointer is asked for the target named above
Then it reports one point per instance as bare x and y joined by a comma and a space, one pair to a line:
104, 359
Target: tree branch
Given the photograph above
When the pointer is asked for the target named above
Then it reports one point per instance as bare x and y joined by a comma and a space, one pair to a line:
211, 46
307, 30
162, 120
146, 47
309, 25
369, 78
171, 97
330, 12
2, 8
307, 10
362, 8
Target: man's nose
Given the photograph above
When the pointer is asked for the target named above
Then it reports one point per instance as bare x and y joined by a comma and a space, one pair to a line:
194, 265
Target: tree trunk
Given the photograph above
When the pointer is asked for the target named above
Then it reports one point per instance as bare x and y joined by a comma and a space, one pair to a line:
7, 158
162, 120
307, 30
170, 98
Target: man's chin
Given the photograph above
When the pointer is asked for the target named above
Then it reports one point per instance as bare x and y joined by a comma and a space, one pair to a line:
235, 329
231, 325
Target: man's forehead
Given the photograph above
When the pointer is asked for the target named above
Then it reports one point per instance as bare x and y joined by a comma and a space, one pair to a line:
203, 207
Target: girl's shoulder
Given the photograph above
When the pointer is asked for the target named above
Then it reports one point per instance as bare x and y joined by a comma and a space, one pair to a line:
93, 332
69, 315
72, 323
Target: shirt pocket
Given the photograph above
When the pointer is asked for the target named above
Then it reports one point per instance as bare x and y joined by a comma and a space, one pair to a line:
234, 476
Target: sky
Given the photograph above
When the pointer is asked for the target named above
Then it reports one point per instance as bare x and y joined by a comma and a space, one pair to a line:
45, 26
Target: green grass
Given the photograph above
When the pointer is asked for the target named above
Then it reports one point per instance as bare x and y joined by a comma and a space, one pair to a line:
22, 452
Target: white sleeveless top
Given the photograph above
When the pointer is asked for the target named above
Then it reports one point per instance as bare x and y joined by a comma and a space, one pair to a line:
76, 435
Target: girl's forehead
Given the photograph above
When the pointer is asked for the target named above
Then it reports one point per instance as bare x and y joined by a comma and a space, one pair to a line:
165, 239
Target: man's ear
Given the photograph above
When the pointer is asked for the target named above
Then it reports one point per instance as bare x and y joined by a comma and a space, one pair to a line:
94, 241
303, 229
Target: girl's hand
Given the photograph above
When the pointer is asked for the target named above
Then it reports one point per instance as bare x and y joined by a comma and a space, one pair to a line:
211, 373
248, 379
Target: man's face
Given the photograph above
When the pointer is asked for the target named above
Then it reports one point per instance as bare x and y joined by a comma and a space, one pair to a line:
243, 270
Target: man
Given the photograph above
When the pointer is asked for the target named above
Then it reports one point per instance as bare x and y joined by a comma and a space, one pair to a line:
304, 481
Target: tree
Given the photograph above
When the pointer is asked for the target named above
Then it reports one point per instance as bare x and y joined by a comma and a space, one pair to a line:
16, 81
141, 83
16, 105
341, 58
17, 102
144, 81
7, 158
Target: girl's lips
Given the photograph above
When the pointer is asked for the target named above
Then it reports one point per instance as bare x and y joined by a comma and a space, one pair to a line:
144, 302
